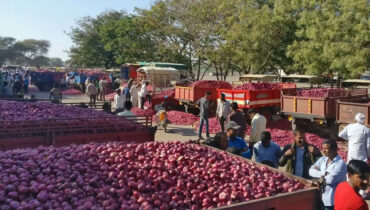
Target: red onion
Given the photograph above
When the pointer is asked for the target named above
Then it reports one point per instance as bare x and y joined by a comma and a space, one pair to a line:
150, 175
211, 84
72, 91
322, 92
257, 86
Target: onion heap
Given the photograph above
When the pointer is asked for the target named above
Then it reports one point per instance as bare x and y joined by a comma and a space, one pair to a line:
181, 118
321, 92
133, 176
257, 86
211, 84
20, 111
143, 112
72, 91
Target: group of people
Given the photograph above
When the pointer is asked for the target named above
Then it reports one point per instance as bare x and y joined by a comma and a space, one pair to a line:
342, 185
15, 82
96, 90
134, 92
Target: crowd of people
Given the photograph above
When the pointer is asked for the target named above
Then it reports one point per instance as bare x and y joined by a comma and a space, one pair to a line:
136, 93
15, 82
342, 184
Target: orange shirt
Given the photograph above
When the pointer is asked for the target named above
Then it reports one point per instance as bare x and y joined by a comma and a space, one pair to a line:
346, 198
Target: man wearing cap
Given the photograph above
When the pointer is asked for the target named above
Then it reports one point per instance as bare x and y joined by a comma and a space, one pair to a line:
358, 137
235, 141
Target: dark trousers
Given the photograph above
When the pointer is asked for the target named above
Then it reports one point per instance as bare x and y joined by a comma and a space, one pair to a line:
142, 101
203, 120
93, 100
222, 123
149, 98
251, 144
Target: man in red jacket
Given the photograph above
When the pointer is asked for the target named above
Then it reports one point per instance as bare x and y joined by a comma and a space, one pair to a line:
346, 195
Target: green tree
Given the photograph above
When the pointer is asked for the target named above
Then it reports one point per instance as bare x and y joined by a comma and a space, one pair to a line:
333, 37
6, 49
55, 62
88, 48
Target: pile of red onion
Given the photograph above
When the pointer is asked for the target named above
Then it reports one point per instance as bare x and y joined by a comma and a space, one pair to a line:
211, 84
257, 86
133, 176
182, 118
321, 92
19, 111
72, 91
143, 112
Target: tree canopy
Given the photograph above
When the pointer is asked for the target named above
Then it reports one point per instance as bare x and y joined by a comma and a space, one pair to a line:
28, 52
246, 36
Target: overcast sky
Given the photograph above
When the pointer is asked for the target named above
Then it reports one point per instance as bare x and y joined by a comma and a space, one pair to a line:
50, 19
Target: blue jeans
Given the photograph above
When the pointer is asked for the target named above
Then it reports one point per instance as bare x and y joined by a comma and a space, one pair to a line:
202, 121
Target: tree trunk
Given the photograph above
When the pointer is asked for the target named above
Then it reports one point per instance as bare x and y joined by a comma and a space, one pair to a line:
204, 73
198, 75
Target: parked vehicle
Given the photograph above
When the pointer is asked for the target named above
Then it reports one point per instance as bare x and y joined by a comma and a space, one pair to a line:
317, 114
347, 108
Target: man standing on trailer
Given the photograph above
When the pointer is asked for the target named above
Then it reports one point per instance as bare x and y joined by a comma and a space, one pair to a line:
223, 110
330, 170
143, 94
358, 137
203, 105
258, 125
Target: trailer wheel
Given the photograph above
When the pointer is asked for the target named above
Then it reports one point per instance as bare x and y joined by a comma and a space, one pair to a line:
186, 107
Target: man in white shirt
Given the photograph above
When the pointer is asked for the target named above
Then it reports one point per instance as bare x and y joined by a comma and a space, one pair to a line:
119, 100
223, 110
103, 89
358, 137
258, 125
134, 92
330, 170
143, 94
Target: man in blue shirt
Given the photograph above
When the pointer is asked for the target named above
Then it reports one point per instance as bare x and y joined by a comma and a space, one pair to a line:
330, 170
235, 141
266, 151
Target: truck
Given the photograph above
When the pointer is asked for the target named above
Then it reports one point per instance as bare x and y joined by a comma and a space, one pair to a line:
317, 114
189, 95
267, 101
346, 109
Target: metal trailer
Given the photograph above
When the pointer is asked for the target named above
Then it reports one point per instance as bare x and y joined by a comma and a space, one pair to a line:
266, 101
346, 110
60, 132
188, 96
317, 114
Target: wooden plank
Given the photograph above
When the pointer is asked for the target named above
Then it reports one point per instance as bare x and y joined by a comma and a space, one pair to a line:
306, 199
